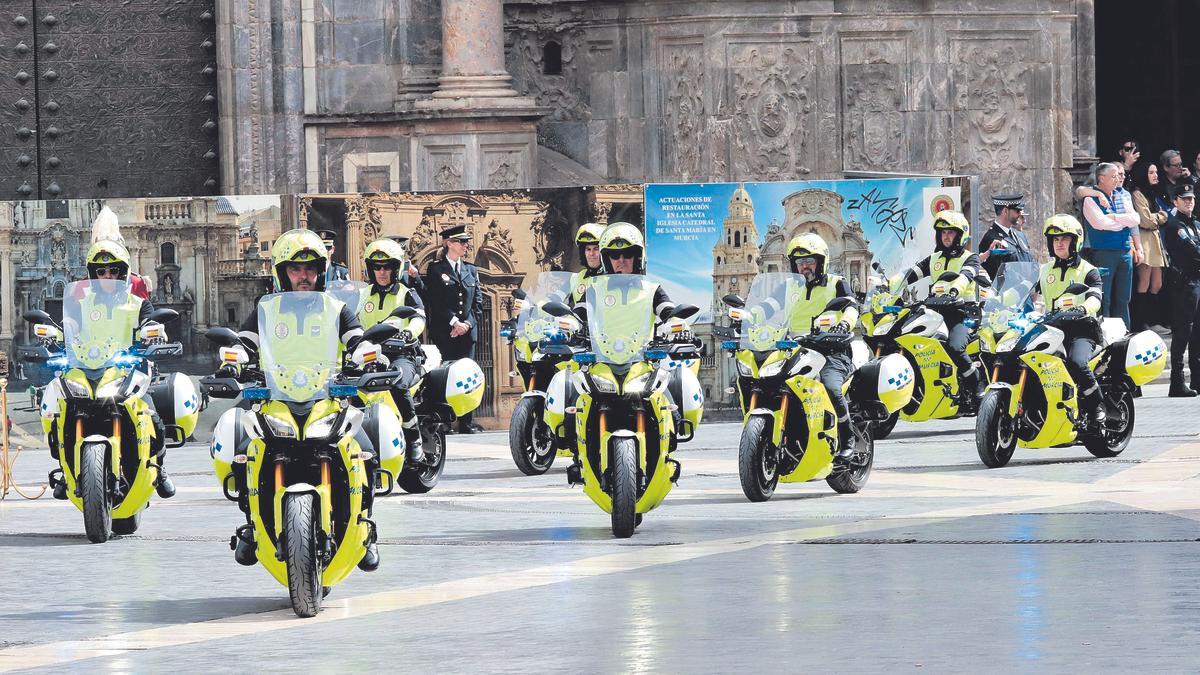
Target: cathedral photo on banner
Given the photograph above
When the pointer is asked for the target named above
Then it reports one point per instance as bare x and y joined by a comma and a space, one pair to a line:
705, 241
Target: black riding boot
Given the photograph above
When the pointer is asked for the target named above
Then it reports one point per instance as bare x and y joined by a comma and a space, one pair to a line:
412, 441
845, 439
165, 487
1178, 388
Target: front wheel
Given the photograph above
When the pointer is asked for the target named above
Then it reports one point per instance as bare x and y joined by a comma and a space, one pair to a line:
423, 477
1118, 427
853, 477
93, 490
624, 487
300, 547
881, 430
529, 439
758, 462
995, 430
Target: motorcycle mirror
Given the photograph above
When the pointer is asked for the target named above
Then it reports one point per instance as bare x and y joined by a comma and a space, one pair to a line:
520, 294
1077, 289
38, 316
403, 312
734, 300
838, 304
221, 336
380, 332
164, 315
684, 311
556, 309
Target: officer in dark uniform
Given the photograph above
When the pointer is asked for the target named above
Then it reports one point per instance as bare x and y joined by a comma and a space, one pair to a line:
336, 270
1004, 241
454, 302
409, 276
1181, 239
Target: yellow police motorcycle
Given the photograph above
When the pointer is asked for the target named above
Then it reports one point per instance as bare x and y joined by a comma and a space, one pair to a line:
1010, 298
539, 342
94, 413
625, 423
790, 431
917, 331
442, 392
300, 449
1032, 401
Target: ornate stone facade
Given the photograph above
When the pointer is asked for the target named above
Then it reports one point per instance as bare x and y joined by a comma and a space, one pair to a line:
179, 245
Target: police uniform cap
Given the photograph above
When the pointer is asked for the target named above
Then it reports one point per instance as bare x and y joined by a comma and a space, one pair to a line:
327, 236
1011, 201
1183, 190
458, 232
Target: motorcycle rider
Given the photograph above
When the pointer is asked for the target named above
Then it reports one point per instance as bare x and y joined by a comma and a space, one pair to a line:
108, 259
587, 240
952, 232
1063, 235
808, 256
385, 263
298, 263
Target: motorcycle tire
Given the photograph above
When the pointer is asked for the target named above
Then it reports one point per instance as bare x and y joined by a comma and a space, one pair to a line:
624, 487
854, 478
881, 430
93, 490
421, 478
994, 445
1118, 427
758, 473
532, 446
127, 525
300, 553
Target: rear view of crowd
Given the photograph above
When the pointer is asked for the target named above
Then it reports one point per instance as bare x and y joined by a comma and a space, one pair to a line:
1144, 237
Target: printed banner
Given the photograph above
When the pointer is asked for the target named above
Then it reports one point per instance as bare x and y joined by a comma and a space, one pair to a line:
707, 240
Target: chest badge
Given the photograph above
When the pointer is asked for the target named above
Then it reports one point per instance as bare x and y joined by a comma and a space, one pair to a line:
281, 330
95, 315
369, 307
610, 300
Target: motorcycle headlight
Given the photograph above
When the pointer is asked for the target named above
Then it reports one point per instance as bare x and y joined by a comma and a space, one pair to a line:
279, 427
110, 389
744, 369
884, 326
771, 370
604, 385
320, 428
1008, 342
637, 386
76, 389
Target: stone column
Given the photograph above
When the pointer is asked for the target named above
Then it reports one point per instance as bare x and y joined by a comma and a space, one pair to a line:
8, 279
473, 72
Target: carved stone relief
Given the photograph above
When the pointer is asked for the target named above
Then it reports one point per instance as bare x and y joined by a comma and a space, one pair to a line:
682, 67
449, 176
990, 105
773, 88
503, 171
563, 93
874, 92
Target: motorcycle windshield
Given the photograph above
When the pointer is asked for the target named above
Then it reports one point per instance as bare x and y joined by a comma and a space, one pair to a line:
99, 319
298, 336
1011, 293
766, 316
879, 295
532, 322
620, 313
350, 293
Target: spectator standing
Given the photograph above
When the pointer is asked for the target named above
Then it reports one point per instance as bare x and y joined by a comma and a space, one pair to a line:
1172, 173
1110, 229
1181, 238
1144, 308
1005, 235
1127, 157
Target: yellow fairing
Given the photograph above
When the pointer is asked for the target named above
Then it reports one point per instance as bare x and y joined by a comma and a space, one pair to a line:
352, 545
817, 461
660, 481
1051, 373
464, 402
1146, 358
142, 485
383, 398
929, 355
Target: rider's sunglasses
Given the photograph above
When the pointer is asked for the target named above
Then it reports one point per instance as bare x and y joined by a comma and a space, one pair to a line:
390, 265
808, 260
108, 271
623, 255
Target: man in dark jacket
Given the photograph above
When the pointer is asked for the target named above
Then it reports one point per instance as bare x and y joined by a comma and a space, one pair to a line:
454, 301
1004, 241
1181, 238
